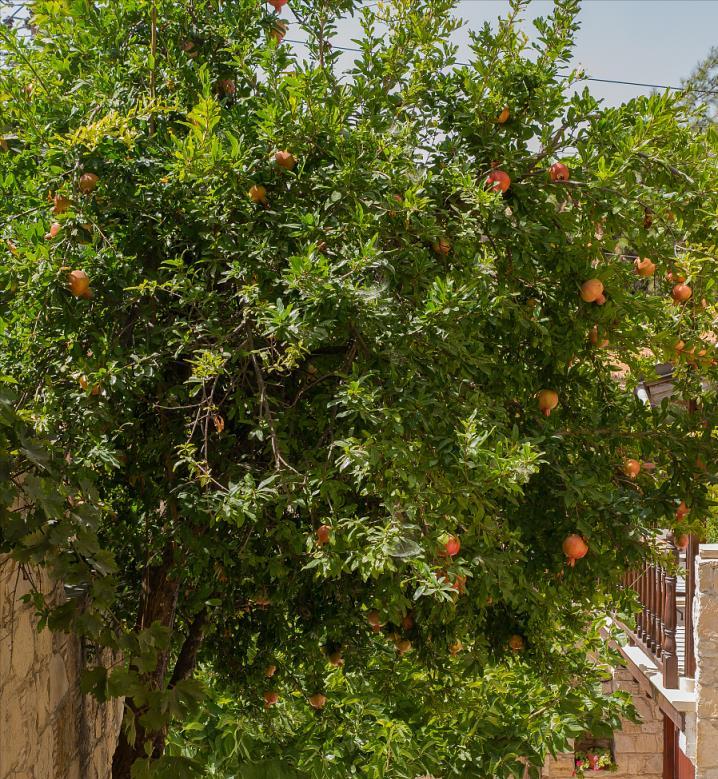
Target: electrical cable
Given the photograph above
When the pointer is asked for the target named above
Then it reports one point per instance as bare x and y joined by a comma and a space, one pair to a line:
584, 78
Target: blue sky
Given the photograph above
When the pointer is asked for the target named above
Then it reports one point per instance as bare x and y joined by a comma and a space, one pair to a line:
654, 41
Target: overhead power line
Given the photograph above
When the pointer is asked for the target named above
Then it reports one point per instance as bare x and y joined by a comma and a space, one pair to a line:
584, 78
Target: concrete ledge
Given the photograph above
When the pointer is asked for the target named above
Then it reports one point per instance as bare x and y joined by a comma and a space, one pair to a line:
680, 700
708, 551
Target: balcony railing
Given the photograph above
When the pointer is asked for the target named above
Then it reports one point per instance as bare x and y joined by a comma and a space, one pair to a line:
664, 626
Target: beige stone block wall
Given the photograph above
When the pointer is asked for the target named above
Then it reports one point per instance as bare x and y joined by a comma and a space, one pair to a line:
48, 729
638, 747
705, 616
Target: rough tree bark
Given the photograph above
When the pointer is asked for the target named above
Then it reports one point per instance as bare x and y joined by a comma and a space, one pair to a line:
160, 590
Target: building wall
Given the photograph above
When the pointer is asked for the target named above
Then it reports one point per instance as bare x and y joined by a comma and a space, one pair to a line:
706, 642
638, 748
48, 729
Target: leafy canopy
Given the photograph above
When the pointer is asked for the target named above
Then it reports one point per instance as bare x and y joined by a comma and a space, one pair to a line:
356, 342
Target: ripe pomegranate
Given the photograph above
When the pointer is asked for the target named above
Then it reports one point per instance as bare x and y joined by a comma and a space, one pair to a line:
451, 546
408, 622
682, 511
592, 290
574, 547
55, 228
96, 388
503, 117
60, 204
459, 584
498, 181
547, 401
257, 194
441, 247
317, 701
270, 698
279, 30
374, 619
559, 172
262, 600
277, 4
87, 182
644, 267
285, 159
336, 659
403, 646
631, 468
324, 533
516, 643
682, 542
270, 670
455, 648
681, 293
79, 283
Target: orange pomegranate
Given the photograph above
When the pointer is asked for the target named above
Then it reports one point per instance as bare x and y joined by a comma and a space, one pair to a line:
79, 283
441, 247
574, 547
336, 659
60, 204
55, 228
681, 293
591, 290
631, 468
547, 401
455, 648
403, 646
87, 182
317, 701
503, 117
516, 643
270, 698
285, 159
682, 511
374, 619
498, 181
270, 670
324, 534
559, 172
682, 542
257, 194
644, 267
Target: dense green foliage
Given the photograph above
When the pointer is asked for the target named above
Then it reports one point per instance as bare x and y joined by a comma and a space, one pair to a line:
364, 351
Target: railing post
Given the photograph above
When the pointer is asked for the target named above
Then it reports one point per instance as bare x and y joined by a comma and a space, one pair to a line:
661, 587
653, 605
690, 658
670, 656
645, 590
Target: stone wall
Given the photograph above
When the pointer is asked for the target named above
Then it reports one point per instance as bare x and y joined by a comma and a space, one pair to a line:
48, 729
638, 748
705, 617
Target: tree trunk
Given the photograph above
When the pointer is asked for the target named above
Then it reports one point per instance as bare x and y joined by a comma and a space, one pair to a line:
160, 591
184, 668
